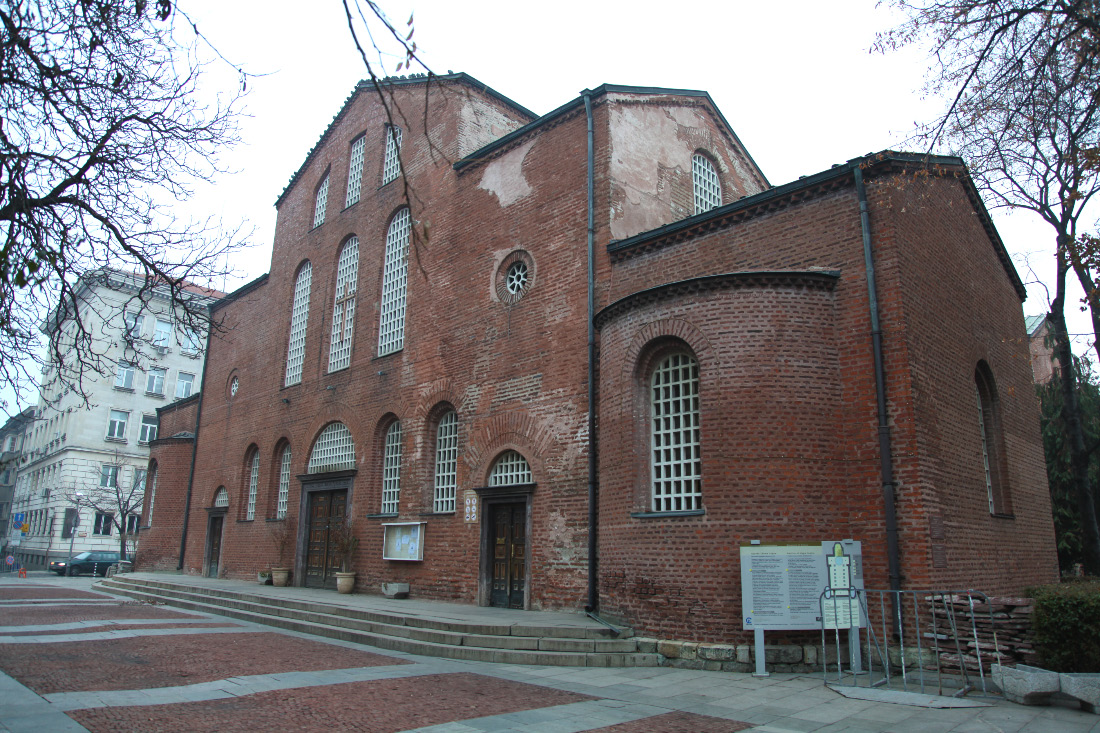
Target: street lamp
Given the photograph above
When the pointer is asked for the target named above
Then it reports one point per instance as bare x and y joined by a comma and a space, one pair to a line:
72, 531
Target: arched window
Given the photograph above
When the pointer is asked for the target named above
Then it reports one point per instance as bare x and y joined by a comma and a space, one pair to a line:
333, 451
391, 469
253, 482
675, 462
510, 469
355, 170
708, 189
446, 462
391, 327
299, 317
992, 440
221, 498
151, 482
320, 203
284, 484
391, 165
343, 309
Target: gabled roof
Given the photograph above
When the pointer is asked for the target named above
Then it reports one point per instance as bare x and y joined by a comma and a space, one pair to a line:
602, 90
391, 82
835, 177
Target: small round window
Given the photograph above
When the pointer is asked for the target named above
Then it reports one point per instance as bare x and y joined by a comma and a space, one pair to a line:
515, 276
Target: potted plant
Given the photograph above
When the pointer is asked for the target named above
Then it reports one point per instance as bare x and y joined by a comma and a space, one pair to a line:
344, 544
263, 577
282, 535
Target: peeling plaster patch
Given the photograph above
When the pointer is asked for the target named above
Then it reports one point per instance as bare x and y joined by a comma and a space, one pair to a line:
504, 176
562, 539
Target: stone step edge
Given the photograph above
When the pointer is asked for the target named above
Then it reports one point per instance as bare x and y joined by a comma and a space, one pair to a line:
528, 643
391, 619
423, 648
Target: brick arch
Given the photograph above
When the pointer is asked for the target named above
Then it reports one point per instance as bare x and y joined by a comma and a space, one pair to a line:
511, 431
319, 427
436, 393
274, 469
667, 329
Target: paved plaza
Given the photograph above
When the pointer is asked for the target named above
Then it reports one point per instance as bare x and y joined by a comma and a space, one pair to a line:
75, 658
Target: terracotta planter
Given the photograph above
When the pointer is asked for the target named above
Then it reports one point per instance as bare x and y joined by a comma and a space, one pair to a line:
345, 582
280, 576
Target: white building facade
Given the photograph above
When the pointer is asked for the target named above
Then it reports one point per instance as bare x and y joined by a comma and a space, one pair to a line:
81, 476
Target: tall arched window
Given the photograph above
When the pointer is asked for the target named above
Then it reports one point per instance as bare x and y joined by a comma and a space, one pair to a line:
992, 440
675, 462
333, 451
391, 327
253, 483
391, 165
391, 469
446, 462
299, 317
343, 309
355, 171
320, 203
151, 483
708, 189
284, 484
510, 469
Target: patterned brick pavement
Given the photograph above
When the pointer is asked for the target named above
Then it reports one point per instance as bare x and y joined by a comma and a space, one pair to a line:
382, 706
40, 592
30, 615
119, 627
677, 722
163, 661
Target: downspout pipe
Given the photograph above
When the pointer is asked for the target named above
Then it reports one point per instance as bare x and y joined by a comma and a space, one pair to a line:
593, 516
884, 445
195, 446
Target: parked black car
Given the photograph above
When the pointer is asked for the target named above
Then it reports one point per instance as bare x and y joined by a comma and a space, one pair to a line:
95, 563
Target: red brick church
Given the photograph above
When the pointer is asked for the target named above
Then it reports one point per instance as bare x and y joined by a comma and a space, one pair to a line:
578, 359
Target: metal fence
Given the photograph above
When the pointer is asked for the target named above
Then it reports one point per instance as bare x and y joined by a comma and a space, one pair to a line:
914, 640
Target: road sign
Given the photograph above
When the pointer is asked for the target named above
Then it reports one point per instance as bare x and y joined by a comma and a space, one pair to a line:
17, 517
10, 560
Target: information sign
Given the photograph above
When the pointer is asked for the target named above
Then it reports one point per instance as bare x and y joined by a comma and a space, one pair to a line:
470, 506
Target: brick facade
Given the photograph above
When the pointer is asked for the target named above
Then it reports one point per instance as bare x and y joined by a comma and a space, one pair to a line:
767, 293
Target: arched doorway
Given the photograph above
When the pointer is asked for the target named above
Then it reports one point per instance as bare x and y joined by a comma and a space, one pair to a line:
326, 490
505, 563
215, 524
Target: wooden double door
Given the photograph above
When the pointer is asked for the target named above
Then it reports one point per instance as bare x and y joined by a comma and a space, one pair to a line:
508, 583
327, 510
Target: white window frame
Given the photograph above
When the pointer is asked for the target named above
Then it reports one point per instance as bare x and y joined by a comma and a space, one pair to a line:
391, 322
333, 451
162, 333
299, 321
184, 385
391, 163
116, 424
134, 323
221, 498
148, 429
108, 476
284, 484
132, 521
155, 379
253, 484
706, 185
320, 203
446, 462
391, 469
675, 458
192, 341
355, 171
124, 376
343, 307
103, 524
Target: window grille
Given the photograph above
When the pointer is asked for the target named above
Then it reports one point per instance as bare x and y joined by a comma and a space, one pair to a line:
708, 189
516, 279
510, 469
152, 494
446, 462
116, 426
148, 429
985, 449
299, 316
154, 382
355, 171
320, 204
221, 498
391, 470
253, 479
391, 329
676, 463
333, 451
343, 310
391, 166
284, 484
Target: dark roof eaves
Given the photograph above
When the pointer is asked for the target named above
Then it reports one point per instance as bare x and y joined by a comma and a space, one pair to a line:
240, 292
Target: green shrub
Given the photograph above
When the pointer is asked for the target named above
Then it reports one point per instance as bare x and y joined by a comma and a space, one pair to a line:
1066, 622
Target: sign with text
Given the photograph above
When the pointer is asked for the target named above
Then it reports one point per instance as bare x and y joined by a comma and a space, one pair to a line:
781, 585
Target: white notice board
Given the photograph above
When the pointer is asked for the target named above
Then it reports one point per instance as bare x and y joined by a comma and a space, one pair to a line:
781, 585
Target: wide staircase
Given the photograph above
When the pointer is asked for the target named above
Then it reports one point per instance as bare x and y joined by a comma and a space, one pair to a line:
438, 630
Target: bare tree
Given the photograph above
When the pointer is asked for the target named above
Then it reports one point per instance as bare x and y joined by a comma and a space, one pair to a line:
102, 131
116, 497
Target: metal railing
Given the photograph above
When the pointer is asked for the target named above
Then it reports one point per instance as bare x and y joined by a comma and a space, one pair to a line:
910, 639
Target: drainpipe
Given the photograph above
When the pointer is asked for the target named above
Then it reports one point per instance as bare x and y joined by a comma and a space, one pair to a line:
195, 447
884, 447
593, 575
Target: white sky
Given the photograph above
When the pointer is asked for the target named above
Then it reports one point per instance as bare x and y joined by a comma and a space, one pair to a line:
795, 80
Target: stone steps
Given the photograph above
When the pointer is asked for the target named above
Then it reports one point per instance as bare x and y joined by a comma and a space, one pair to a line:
578, 646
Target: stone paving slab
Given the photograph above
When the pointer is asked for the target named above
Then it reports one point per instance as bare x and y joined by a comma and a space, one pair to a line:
164, 661
382, 706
